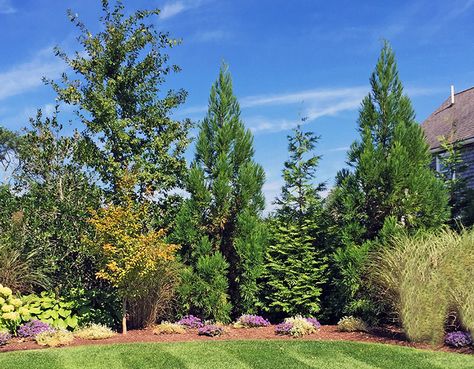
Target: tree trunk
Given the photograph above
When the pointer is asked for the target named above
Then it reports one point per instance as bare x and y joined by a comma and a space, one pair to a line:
124, 316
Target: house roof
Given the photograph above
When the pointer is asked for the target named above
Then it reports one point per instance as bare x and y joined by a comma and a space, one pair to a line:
453, 121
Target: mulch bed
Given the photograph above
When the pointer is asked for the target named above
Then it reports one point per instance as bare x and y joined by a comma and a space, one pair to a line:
387, 335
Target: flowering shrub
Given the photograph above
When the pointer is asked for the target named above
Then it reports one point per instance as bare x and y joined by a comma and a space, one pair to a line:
169, 328
351, 324
458, 339
4, 338
12, 313
297, 326
54, 338
250, 321
315, 322
210, 330
94, 332
33, 328
191, 321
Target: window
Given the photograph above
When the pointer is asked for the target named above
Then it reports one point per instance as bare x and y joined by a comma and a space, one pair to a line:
442, 169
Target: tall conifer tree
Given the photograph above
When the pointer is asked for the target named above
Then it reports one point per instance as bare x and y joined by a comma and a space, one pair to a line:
295, 261
389, 183
226, 198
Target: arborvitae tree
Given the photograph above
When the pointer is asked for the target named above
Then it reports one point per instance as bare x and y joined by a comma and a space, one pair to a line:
120, 100
226, 199
389, 181
295, 260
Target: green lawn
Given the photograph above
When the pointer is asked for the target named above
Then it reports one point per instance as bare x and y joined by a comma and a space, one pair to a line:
235, 355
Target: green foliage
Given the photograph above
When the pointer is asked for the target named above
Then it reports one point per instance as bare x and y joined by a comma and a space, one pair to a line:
426, 278
94, 332
296, 264
54, 338
390, 179
203, 289
351, 324
295, 271
118, 94
46, 211
168, 328
225, 203
48, 308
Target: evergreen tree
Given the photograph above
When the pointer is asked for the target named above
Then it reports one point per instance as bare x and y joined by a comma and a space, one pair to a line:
226, 199
119, 99
389, 183
295, 259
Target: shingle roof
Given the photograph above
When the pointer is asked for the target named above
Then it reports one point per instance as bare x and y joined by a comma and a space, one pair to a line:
451, 121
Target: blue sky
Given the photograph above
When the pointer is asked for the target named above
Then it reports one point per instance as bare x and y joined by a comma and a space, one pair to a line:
288, 59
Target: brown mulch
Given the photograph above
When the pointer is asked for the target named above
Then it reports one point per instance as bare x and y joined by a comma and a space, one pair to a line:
387, 335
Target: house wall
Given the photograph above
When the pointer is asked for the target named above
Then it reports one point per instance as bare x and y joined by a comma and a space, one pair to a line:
467, 155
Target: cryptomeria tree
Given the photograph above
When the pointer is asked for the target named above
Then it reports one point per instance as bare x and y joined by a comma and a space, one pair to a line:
226, 199
295, 260
389, 182
120, 100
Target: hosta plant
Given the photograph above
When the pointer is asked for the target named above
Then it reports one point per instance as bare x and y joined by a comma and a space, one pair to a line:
94, 332
458, 339
211, 330
251, 321
54, 338
32, 328
190, 321
169, 328
52, 310
351, 324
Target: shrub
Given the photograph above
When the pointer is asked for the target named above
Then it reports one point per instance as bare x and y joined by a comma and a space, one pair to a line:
94, 332
190, 321
135, 258
4, 338
315, 322
351, 324
426, 276
54, 338
12, 313
250, 321
211, 330
296, 327
32, 328
55, 311
169, 328
458, 339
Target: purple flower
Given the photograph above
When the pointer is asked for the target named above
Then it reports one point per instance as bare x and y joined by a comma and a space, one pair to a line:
284, 328
4, 338
458, 339
253, 321
210, 330
316, 324
33, 328
190, 321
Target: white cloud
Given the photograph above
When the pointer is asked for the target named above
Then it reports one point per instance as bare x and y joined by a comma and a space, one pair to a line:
28, 76
6, 7
211, 36
171, 9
